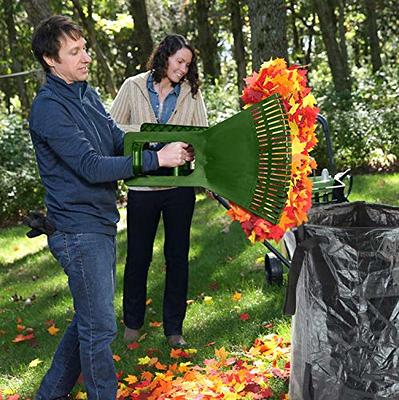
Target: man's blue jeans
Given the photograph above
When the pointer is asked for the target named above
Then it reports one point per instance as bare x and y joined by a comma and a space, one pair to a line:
89, 260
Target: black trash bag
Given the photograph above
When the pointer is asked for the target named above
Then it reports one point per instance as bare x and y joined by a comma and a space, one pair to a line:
345, 332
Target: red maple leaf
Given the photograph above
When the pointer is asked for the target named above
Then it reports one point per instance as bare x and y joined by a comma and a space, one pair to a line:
23, 338
244, 316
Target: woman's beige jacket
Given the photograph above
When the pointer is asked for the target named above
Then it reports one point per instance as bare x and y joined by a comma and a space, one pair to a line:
132, 107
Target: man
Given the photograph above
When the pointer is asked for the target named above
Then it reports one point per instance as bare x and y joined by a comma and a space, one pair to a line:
79, 153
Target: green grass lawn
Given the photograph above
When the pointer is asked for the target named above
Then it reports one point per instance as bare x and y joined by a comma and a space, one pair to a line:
222, 262
378, 188
34, 293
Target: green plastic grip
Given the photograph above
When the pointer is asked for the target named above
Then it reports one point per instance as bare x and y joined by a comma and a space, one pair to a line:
137, 155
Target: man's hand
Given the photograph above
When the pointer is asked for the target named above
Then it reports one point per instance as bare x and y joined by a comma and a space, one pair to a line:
175, 154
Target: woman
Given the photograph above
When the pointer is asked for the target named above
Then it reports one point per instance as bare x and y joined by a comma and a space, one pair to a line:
167, 93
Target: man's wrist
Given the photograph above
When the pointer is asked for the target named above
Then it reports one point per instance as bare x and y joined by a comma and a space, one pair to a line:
150, 161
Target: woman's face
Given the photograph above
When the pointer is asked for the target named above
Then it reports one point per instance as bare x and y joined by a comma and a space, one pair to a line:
178, 64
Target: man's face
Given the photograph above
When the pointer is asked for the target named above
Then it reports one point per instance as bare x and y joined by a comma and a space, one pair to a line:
73, 60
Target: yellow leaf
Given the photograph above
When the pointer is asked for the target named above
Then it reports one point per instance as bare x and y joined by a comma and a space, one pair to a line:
278, 63
131, 379
230, 395
260, 260
52, 330
293, 128
148, 302
8, 391
221, 353
185, 364
34, 363
236, 296
144, 360
309, 100
294, 109
208, 299
81, 396
297, 146
239, 387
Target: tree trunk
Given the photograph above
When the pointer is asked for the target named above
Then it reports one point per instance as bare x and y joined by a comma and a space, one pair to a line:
207, 42
268, 30
373, 35
141, 39
12, 41
5, 84
295, 35
238, 48
336, 60
88, 23
310, 28
341, 30
37, 10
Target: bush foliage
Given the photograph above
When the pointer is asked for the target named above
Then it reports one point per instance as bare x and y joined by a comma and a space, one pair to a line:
20, 186
364, 129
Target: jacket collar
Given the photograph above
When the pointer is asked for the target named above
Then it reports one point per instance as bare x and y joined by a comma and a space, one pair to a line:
74, 90
150, 86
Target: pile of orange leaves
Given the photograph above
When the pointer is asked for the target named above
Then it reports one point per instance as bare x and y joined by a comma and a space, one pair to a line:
248, 374
226, 376
291, 83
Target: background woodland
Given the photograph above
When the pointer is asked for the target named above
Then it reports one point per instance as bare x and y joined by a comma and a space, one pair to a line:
349, 47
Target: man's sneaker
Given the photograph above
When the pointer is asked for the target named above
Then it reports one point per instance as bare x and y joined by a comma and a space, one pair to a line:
176, 341
131, 335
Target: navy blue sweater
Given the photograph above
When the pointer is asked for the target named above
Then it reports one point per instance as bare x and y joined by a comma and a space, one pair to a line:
79, 153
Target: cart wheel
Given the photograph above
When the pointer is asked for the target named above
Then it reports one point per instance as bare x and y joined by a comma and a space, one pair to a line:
273, 269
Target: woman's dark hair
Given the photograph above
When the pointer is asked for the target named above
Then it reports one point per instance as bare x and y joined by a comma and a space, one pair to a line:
46, 40
158, 61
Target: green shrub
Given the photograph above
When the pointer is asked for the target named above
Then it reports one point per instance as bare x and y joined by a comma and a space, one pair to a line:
20, 186
221, 100
364, 129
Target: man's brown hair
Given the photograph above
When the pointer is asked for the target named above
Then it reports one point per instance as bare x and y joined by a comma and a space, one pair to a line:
46, 40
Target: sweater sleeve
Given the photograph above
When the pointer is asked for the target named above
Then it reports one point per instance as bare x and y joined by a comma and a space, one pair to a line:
200, 117
52, 123
150, 158
121, 108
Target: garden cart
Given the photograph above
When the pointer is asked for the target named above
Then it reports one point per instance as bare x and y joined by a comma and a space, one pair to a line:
327, 189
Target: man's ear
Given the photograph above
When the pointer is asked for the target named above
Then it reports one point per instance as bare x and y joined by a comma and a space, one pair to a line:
49, 61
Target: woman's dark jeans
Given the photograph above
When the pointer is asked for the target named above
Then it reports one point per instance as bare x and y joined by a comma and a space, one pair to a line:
144, 210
